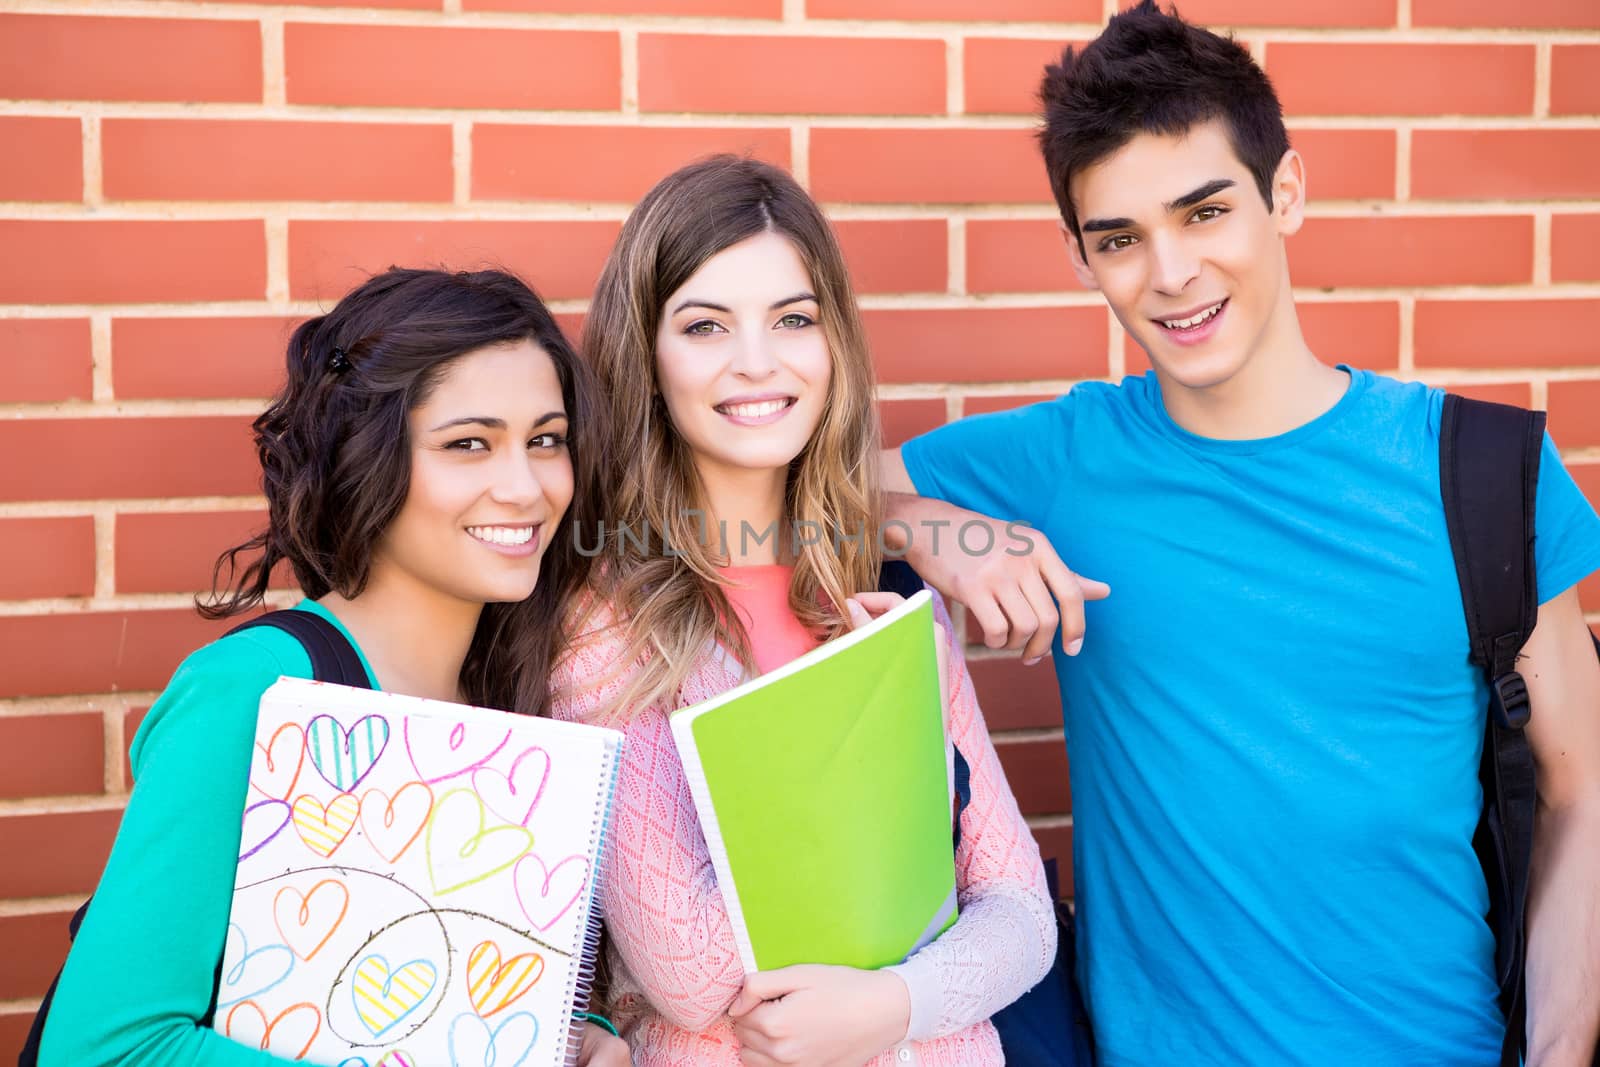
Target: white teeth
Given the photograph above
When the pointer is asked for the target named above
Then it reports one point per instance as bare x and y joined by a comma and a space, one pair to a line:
502, 535
1185, 324
754, 411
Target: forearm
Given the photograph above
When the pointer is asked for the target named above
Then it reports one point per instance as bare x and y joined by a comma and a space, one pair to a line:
1563, 969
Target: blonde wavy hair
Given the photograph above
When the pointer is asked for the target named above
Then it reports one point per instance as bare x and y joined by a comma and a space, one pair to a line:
672, 605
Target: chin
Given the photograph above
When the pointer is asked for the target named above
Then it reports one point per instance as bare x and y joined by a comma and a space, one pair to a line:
1199, 370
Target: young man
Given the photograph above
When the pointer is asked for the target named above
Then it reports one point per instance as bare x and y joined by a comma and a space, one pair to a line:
1273, 724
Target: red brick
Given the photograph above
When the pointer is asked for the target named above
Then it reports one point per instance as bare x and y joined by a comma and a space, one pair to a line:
1363, 334
46, 557
1517, 394
1055, 843
1575, 79
1018, 255
96, 652
221, 159
86, 459
37, 944
1429, 250
994, 10
927, 166
783, 75
1506, 333
40, 158
1347, 164
198, 357
1001, 75
43, 360
463, 67
561, 260
601, 162
1498, 14
174, 552
64, 852
13, 1031
1575, 249
51, 261
739, 9
1037, 773
896, 256
904, 419
1300, 13
81, 57
51, 755
1575, 413
1505, 164
987, 344
984, 405
1402, 79
1013, 695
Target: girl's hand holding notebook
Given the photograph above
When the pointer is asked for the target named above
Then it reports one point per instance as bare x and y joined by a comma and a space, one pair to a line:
816, 1014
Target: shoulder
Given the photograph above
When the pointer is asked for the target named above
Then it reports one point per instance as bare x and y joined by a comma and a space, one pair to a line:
593, 669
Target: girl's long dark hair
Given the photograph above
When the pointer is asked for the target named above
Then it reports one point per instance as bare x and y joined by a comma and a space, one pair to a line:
336, 459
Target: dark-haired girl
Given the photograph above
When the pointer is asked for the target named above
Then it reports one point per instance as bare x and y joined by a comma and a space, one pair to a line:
422, 467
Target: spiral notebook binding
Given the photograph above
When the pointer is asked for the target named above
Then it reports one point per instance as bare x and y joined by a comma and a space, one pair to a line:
584, 973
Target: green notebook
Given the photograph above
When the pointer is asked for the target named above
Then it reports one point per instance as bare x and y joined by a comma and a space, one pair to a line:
824, 792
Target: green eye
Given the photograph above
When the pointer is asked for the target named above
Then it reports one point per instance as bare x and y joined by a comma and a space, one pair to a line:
795, 320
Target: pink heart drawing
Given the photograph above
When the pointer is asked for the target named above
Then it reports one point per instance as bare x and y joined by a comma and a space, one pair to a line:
548, 893
441, 749
263, 821
513, 797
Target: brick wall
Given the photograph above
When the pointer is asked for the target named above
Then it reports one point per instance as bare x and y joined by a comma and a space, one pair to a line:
180, 181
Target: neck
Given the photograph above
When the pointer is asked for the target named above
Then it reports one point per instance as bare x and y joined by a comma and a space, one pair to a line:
415, 637
747, 507
1281, 386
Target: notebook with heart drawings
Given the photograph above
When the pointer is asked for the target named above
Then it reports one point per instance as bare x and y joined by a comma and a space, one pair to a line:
417, 881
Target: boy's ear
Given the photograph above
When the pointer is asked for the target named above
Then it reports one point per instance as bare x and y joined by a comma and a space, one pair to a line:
1289, 193
1080, 266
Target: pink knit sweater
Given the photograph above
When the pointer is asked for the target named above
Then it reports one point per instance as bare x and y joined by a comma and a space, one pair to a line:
674, 966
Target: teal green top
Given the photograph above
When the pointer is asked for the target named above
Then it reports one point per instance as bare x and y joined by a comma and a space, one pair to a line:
141, 973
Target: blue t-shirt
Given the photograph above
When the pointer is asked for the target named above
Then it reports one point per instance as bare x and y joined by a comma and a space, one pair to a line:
1273, 725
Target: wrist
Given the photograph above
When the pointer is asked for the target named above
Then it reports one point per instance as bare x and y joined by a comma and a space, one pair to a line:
893, 1005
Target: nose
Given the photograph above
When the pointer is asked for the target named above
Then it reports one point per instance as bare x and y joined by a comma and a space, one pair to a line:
1173, 265
754, 357
516, 480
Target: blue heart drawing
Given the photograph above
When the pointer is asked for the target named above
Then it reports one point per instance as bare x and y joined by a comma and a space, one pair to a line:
254, 972
474, 1044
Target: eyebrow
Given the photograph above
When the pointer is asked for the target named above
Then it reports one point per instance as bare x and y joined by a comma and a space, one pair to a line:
1189, 199
489, 422
785, 302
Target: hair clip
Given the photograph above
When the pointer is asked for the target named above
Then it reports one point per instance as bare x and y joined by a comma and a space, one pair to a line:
339, 361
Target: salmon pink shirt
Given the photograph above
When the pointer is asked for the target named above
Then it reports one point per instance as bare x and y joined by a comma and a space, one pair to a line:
760, 598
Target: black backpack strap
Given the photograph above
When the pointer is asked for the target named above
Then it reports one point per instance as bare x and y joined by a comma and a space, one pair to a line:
1489, 478
333, 657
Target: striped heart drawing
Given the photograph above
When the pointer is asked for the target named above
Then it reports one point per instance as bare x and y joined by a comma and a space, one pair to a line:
492, 985
324, 829
383, 995
343, 757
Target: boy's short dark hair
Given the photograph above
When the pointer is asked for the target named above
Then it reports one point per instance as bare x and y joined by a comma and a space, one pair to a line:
1152, 72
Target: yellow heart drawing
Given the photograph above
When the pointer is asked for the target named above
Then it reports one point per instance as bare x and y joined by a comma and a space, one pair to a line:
492, 985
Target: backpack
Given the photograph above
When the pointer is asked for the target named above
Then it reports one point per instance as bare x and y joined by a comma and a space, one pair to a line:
333, 659
1489, 479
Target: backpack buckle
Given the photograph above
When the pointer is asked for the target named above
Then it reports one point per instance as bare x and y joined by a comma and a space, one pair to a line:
1508, 701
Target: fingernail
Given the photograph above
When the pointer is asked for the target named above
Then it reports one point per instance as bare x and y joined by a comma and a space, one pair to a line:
1032, 661
1072, 649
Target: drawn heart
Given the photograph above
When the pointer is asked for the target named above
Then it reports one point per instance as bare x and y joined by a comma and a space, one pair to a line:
305, 921
343, 757
392, 824
276, 767
384, 995
263, 821
473, 1043
289, 1034
324, 829
514, 796
253, 972
546, 894
442, 749
492, 985
461, 850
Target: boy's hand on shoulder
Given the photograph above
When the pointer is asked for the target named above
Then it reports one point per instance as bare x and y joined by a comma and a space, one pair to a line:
1017, 590
819, 1016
